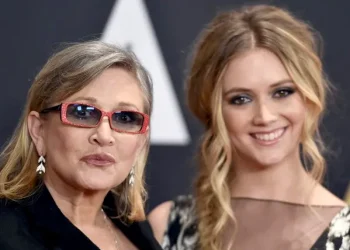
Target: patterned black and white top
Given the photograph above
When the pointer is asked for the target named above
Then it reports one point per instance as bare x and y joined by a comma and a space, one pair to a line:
298, 229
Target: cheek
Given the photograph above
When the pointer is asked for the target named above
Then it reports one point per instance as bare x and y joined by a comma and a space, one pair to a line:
64, 143
127, 146
295, 113
236, 120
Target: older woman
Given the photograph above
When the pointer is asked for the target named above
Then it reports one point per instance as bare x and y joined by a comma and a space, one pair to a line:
72, 174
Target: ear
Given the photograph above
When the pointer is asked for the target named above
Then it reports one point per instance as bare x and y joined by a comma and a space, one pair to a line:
36, 131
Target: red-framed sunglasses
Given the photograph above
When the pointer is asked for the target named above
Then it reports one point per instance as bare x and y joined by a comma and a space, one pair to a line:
88, 116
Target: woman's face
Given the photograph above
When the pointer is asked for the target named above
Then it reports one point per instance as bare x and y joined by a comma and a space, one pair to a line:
94, 158
262, 108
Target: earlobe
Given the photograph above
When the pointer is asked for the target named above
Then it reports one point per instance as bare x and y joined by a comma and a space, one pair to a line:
35, 129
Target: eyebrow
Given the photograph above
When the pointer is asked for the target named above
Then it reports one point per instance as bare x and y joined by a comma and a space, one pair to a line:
127, 105
85, 98
93, 100
276, 84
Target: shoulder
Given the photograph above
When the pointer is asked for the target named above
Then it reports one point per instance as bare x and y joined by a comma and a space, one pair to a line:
158, 219
171, 217
160, 212
323, 196
339, 230
181, 206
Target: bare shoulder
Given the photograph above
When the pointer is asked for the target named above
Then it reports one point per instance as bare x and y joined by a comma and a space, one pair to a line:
158, 218
323, 196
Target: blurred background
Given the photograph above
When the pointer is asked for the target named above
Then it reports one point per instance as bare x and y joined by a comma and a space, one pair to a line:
162, 33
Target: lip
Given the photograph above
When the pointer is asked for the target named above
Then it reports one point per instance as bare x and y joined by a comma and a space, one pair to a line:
101, 159
269, 142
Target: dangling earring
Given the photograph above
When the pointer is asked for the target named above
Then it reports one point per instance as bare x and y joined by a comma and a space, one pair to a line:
132, 177
41, 165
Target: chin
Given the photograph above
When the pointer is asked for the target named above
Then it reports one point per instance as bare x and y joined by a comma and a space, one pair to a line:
93, 184
267, 160
94, 187
99, 180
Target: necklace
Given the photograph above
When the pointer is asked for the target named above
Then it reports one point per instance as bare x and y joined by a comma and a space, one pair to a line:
116, 241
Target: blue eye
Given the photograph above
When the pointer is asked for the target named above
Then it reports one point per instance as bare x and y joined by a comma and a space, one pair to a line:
127, 117
83, 112
284, 92
128, 121
240, 100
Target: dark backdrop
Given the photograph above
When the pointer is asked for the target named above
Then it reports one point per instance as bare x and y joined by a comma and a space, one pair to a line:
31, 30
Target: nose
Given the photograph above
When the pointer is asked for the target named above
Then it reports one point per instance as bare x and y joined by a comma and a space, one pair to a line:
103, 134
265, 113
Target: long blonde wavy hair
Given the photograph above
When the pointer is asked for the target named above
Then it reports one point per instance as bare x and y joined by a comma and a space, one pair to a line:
227, 36
64, 74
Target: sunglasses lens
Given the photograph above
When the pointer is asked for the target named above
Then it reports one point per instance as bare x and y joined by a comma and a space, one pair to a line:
127, 121
83, 115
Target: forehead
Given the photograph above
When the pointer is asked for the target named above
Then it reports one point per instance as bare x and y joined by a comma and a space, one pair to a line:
253, 69
113, 86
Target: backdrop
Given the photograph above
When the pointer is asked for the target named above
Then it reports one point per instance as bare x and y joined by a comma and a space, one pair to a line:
161, 33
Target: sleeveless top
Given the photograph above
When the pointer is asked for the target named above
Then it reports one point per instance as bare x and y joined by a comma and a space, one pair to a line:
265, 225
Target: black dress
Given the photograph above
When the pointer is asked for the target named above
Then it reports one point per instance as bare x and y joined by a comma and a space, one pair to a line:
36, 223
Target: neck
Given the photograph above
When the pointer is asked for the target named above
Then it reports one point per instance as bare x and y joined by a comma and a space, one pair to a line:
81, 207
286, 181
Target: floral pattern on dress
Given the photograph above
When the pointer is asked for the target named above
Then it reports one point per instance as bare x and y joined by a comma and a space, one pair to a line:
339, 231
182, 232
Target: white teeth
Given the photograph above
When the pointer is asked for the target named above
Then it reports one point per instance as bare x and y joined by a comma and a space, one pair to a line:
270, 136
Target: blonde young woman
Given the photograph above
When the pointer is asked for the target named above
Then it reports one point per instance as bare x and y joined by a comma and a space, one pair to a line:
71, 177
257, 85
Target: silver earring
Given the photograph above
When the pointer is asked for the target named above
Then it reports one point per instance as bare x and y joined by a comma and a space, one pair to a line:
41, 165
132, 177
